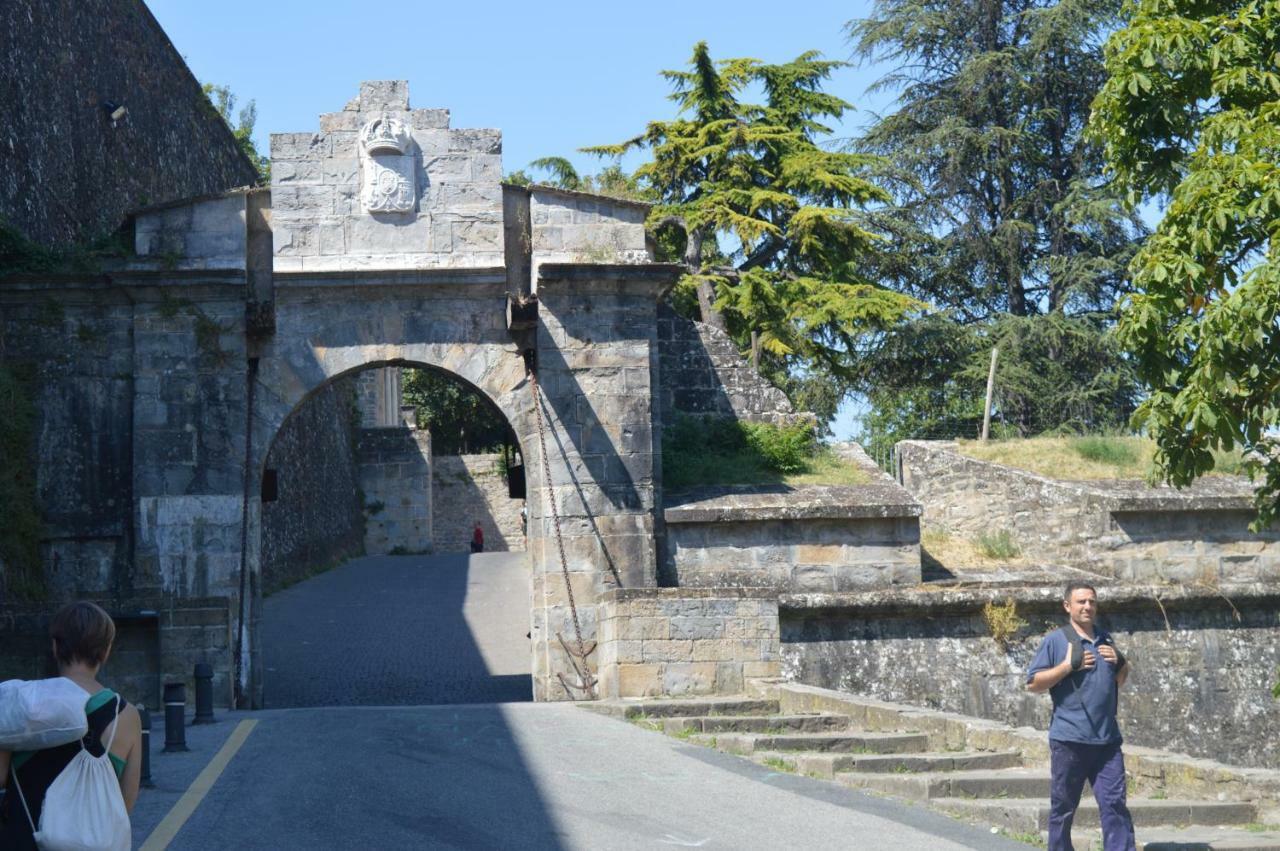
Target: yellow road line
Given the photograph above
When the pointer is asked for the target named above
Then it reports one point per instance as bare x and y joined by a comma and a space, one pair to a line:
177, 817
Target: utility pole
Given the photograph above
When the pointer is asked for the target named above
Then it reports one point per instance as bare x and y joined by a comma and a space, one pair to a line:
991, 385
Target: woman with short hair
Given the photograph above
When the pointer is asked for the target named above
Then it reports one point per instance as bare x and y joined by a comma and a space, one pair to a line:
82, 635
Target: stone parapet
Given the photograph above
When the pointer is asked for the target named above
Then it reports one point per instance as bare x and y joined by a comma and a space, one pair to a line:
1124, 528
1204, 658
677, 642
810, 538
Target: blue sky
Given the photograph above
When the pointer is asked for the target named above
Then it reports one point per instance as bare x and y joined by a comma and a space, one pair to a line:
553, 77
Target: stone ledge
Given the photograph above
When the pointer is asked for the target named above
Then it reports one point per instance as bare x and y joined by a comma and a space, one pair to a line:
627, 595
1208, 493
664, 274
923, 600
392, 277
728, 503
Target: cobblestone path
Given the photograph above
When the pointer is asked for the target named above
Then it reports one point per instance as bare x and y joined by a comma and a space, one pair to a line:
401, 630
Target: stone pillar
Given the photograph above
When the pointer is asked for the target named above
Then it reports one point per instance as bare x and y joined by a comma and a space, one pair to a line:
597, 352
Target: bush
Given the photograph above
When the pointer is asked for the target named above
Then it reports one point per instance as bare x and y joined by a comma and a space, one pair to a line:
786, 449
998, 545
710, 450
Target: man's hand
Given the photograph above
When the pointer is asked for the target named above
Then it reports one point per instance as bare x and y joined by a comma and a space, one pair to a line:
1109, 653
1089, 661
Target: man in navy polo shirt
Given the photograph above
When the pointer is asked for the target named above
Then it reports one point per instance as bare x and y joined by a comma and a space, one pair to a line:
1083, 673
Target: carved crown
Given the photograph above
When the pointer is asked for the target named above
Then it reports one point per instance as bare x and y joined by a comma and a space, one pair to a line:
385, 135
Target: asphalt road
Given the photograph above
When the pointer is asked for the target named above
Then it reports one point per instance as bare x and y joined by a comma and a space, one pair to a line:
538, 776
401, 630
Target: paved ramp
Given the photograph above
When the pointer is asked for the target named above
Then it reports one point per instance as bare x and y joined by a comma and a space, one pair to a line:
401, 630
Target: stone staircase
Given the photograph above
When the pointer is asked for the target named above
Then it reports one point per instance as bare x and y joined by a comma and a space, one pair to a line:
962, 767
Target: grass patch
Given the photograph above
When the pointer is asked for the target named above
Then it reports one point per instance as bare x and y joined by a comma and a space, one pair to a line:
647, 723
717, 451
778, 764
1029, 838
685, 734
1087, 457
998, 545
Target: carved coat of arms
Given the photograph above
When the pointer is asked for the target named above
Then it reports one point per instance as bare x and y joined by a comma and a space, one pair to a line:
389, 184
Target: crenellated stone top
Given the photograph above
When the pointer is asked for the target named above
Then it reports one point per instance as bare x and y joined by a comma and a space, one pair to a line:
386, 186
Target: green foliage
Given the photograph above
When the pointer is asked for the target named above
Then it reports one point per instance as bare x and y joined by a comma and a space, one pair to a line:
20, 255
223, 102
998, 545
1002, 620
999, 202
1054, 373
1191, 113
768, 222
1106, 450
1000, 218
711, 450
20, 525
461, 419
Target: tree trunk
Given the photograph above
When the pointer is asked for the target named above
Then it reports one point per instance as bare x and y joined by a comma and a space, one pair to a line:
706, 290
755, 350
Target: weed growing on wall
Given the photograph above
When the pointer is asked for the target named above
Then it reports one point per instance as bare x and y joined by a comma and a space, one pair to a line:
1003, 622
998, 545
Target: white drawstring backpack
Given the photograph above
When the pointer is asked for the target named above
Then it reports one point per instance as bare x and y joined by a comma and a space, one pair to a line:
39, 714
84, 808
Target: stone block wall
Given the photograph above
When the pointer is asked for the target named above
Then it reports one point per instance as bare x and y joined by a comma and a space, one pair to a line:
1124, 529
702, 373
395, 478
681, 642
70, 173
1203, 662
207, 233
443, 200
467, 488
317, 519
577, 227
158, 640
72, 347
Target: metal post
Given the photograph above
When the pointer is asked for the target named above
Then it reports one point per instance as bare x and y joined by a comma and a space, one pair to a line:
204, 694
146, 782
175, 717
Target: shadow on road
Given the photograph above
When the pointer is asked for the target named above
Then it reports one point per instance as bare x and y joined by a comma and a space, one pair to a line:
401, 631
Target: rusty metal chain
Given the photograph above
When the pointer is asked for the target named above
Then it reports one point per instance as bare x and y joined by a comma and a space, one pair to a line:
586, 682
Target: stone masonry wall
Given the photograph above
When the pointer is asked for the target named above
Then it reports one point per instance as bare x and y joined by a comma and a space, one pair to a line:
467, 488
74, 345
447, 211
317, 519
69, 172
395, 478
702, 373
575, 227
1203, 665
1124, 529
678, 642
158, 640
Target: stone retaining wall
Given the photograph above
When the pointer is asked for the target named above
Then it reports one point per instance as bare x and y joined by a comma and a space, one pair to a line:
1121, 528
467, 488
157, 641
674, 642
1201, 680
395, 477
316, 520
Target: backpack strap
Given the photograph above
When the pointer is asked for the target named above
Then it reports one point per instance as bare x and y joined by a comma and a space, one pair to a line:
97, 726
1074, 646
13, 772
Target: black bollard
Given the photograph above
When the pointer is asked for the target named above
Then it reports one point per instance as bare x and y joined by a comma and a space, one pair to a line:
204, 694
146, 782
175, 717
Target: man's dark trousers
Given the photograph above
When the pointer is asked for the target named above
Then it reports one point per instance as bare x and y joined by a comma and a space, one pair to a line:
1071, 763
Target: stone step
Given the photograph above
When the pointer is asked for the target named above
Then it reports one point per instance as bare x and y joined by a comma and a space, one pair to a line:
677, 708
748, 743
756, 724
827, 765
1195, 838
1006, 783
1031, 815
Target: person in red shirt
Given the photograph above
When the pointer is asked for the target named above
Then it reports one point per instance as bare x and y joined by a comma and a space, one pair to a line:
477, 539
